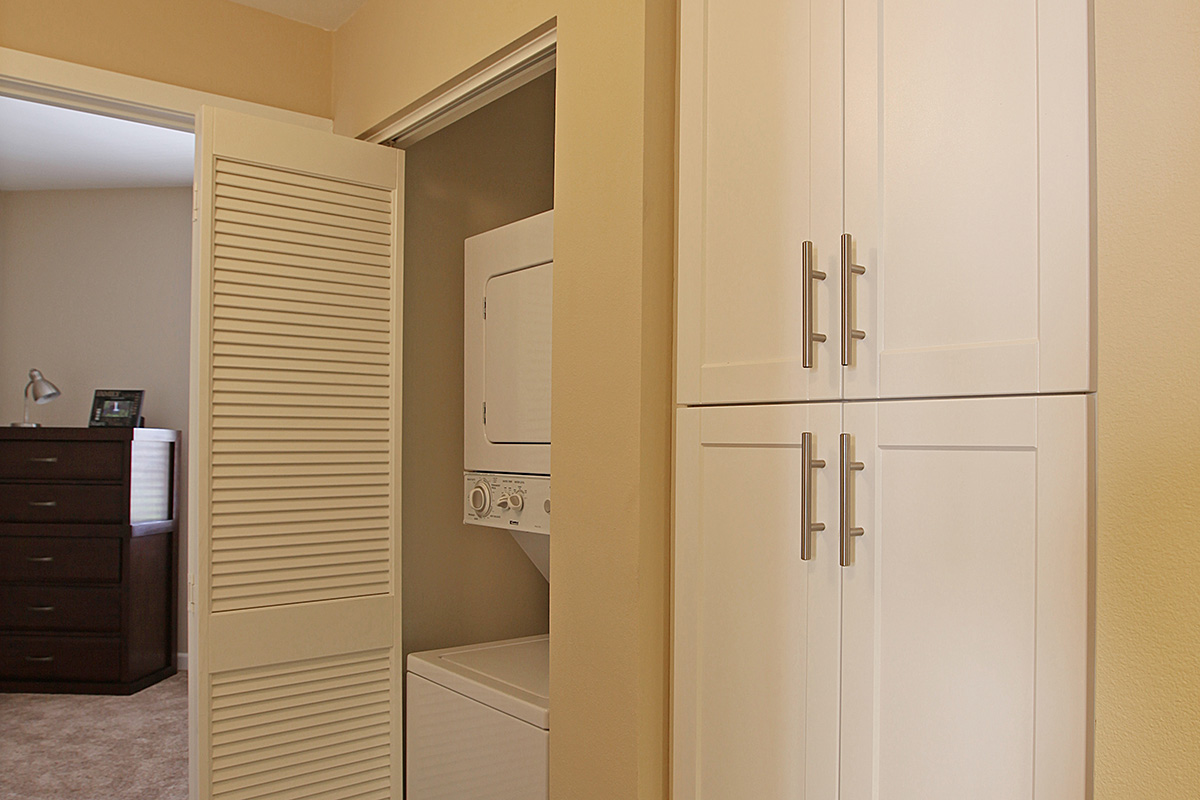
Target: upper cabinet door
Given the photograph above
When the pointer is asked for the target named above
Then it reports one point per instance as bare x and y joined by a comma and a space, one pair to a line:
966, 666
968, 197
760, 173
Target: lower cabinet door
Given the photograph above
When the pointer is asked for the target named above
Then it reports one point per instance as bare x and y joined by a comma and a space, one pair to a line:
757, 612
965, 602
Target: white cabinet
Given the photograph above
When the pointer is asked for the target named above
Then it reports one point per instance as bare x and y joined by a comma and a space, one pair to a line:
756, 625
759, 128
951, 141
948, 658
965, 605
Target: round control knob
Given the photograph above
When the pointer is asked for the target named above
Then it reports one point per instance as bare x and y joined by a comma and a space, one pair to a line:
515, 501
481, 499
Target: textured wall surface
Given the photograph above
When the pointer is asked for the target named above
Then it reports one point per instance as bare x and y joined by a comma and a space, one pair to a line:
209, 45
1148, 582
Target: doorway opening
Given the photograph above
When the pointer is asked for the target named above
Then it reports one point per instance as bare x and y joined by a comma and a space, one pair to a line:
95, 293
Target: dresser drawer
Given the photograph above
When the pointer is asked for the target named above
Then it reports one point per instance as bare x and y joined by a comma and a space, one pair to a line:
62, 461
51, 502
60, 608
58, 558
60, 658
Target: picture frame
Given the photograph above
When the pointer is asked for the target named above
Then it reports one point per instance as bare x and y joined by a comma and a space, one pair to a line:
116, 408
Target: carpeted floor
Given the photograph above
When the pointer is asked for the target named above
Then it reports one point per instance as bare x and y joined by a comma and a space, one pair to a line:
86, 747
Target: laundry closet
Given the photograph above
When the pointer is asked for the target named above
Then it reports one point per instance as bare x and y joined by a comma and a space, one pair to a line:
478, 223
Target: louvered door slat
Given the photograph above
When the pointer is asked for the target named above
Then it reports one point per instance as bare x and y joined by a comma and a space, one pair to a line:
298, 212
278, 183
352, 192
298, 668
229, 255
330, 283
308, 226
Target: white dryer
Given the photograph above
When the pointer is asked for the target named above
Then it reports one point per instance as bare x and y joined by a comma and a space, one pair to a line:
479, 722
508, 315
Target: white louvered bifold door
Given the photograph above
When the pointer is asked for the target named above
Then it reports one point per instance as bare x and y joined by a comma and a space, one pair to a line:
295, 623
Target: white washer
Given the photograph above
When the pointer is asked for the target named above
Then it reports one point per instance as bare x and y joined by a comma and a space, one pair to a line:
479, 722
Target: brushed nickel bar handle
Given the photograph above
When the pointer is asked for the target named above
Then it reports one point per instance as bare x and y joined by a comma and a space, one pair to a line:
40, 559
807, 526
43, 503
806, 299
40, 659
848, 532
849, 268
45, 459
40, 609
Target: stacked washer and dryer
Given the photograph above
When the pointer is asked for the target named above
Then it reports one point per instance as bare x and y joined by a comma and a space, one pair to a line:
479, 716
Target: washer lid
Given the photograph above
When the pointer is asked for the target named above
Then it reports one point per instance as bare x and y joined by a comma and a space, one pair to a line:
512, 676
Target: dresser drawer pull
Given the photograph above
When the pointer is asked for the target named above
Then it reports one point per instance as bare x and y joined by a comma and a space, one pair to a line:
40, 559
43, 609
40, 659
43, 503
44, 459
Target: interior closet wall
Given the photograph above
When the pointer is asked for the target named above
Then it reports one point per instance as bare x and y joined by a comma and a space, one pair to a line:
462, 583
95, 290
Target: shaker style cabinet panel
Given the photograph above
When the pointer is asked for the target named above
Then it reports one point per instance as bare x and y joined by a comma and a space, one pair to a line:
967, 197
936, 645
759, 190
965, 604
757, 598
934, 155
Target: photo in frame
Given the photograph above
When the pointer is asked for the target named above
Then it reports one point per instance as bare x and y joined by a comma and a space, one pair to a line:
116, 408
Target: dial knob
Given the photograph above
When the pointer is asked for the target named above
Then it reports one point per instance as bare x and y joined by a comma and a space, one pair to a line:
481, 499
515, 501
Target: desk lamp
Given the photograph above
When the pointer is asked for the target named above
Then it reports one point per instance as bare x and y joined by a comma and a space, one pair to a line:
42, 390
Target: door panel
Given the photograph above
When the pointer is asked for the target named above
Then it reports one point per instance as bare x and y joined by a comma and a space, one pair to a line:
968, 197
295, 629
759, 140
970, 580
756, 628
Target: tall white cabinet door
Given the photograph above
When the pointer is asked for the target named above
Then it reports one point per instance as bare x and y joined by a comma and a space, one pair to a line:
295, 682
756, 625
966, 654
760, 174
968, 197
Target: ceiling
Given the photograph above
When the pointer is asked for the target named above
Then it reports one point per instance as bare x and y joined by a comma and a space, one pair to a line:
46, 147
327, 14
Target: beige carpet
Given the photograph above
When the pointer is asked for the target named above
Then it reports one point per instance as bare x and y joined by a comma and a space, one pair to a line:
86, 747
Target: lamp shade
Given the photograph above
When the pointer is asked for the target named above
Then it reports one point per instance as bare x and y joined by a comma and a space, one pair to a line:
40, 389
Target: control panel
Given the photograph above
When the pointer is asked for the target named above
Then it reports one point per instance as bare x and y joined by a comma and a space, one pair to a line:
512, 502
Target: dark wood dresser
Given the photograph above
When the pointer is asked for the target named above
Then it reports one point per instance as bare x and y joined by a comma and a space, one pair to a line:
88, 538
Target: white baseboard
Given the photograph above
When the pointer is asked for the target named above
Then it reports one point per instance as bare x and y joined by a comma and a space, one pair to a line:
182, 661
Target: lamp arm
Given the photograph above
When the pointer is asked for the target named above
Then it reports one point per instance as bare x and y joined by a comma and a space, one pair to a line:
27, 388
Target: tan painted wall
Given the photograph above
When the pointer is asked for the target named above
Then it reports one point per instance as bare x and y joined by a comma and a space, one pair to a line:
1148, 605
1148, 108
612, 344
210, 45
462, 583
95, 291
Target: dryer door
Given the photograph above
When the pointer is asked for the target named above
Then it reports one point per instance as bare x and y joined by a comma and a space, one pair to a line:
517, 356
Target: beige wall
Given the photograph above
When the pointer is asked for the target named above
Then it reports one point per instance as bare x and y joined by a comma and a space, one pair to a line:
462, 583
612, 344
95, 291
210, 45
611, 398
1148, 581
